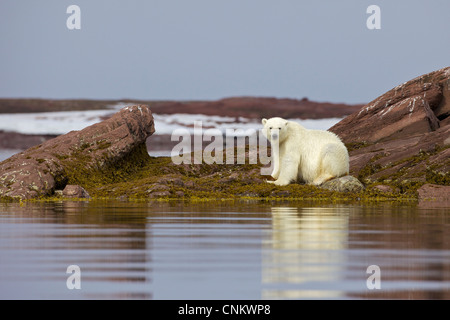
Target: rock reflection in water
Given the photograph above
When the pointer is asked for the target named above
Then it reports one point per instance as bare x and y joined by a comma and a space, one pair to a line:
41, 240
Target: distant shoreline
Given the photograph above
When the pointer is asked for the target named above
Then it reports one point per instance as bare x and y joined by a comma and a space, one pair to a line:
248, 107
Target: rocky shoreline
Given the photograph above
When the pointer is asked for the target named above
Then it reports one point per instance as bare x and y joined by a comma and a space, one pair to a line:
399, 149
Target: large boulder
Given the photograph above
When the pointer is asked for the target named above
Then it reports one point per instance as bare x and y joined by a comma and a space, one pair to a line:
419, 106
402, 137
40, 170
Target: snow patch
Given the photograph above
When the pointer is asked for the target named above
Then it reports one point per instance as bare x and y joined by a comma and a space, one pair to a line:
412, 108
386, 110
369, 107
50, 122
57, 123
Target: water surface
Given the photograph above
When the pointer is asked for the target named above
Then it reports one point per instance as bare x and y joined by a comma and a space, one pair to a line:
6, 153
224, 250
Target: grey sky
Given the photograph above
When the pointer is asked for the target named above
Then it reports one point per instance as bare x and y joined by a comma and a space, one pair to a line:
210, 49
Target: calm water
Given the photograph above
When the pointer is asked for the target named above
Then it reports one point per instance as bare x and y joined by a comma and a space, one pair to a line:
225, 250
6, 153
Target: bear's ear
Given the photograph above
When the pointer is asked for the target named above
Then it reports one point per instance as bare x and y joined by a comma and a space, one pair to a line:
286, 123
264, 121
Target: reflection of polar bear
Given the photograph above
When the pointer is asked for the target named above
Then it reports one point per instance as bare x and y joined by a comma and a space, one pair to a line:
312, 156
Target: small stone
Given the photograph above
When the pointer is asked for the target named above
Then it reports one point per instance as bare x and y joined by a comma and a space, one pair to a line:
284, 193
159, 194
179, 194
157, 187
343, 184
172, 181
59, 193
386, 189
75, 191
248, 194
231, 178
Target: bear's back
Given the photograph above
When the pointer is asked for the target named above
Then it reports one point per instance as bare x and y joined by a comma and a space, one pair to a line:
324, 135
319, 136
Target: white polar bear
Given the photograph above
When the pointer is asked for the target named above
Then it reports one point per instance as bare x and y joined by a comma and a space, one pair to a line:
312, 156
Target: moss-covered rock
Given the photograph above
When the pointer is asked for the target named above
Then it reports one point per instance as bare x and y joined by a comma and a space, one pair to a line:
76, 157
141, 177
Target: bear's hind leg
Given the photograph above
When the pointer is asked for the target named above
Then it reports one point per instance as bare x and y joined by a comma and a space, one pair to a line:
333, 164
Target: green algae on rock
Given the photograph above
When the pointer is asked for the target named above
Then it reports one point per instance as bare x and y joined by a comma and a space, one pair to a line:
42, 169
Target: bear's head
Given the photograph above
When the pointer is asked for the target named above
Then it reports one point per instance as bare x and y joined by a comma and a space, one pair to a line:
275, 129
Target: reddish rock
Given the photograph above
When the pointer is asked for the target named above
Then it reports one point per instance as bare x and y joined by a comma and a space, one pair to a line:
404, 134
434, 192
40, 169
414, 107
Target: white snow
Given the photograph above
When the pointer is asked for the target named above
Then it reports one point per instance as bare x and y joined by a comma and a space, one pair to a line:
63, 122
413, 106
386, 111
50, 122
371, 106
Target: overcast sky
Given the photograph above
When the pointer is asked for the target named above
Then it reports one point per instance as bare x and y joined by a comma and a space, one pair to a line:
210, 49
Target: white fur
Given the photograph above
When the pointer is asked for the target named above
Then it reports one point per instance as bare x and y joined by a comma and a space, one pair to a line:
311, 156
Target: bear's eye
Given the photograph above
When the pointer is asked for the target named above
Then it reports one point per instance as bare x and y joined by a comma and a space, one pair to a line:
270, 128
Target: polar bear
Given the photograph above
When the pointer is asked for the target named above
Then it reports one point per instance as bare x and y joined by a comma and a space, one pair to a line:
299, 154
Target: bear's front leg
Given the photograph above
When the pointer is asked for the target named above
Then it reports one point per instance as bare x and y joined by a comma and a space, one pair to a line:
279, 182
276, 155
276, 170
288, 173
